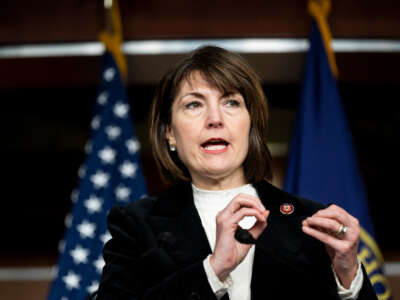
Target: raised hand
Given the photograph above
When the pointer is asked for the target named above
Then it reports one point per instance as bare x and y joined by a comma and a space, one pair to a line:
228, 251
340, 232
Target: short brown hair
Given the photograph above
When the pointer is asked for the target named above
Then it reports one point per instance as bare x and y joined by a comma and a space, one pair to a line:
228, 72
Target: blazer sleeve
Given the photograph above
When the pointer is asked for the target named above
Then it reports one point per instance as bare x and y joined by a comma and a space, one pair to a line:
367, 292
138, 268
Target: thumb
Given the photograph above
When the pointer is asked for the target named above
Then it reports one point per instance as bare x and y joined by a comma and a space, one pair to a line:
259, 227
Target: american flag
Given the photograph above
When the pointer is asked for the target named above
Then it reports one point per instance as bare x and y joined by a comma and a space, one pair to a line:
110, 175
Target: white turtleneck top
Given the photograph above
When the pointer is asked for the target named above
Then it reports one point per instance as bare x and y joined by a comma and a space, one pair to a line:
237, 284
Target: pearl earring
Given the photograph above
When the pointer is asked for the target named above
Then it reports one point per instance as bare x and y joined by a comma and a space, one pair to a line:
172, 147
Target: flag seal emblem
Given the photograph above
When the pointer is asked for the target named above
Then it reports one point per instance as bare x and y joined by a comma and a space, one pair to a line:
286, 209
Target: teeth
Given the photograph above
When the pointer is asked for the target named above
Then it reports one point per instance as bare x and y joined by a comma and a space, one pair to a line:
215, 147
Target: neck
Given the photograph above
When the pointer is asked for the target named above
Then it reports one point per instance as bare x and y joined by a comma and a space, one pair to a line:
215, 184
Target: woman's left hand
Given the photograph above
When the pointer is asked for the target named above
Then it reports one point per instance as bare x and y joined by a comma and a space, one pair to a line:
325, 225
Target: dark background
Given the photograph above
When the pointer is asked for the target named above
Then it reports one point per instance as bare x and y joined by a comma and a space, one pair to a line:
46, 129
46, 103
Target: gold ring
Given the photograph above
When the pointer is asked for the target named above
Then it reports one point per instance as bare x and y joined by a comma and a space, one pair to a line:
341, 231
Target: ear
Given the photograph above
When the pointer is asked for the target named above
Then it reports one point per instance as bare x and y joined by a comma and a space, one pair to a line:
169, 134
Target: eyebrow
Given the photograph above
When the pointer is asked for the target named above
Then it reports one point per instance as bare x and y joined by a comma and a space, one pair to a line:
195, 94
201, 96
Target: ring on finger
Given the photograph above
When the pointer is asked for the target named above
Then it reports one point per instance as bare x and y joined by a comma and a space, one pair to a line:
341, 231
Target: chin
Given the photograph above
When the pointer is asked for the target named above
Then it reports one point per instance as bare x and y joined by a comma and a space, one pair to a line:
220, 173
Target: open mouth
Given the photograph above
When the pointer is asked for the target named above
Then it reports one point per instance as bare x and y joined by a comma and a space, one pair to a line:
215, 144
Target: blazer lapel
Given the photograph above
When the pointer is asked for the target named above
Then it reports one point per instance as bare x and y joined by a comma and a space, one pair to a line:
281, 224
175, 216
274, 253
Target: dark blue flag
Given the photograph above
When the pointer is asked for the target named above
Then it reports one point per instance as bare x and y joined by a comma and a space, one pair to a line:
110, 175
322, 162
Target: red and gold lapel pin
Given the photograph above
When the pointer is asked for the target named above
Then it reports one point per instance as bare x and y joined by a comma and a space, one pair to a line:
286, 209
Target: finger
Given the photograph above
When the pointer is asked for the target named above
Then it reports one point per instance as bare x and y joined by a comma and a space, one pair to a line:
245, 200
253, 199
323, 224
324, 238
331, 227
245, 211
335, 212
258, 228
258, 200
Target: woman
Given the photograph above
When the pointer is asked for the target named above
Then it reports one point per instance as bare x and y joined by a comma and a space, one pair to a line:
208, 129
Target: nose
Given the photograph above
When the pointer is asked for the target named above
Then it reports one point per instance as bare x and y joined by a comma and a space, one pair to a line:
214, 118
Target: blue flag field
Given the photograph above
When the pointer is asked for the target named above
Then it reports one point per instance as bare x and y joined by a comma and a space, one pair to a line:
322, 162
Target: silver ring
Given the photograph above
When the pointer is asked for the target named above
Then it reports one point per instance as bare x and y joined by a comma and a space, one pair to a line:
341, 231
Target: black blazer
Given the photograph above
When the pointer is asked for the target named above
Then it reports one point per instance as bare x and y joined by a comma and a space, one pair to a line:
158, 246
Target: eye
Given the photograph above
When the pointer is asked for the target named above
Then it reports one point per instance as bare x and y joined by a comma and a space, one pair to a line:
232, 103
193, 105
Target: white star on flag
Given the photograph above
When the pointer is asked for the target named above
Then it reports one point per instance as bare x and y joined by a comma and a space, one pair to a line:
109, 74
113, 132
99, 264
74, 195
72, 280
93, 287
61, 245
93, 204
88, 147
82, 171
100, 179
95, 124
133, 145
86, 229
128, 169
68, 220
107, 155
105, 237
102, 98
79, 254
122, 193
121, 109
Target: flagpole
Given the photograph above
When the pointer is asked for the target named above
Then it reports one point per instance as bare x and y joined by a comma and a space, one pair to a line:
111, 36
108, 4
320, 10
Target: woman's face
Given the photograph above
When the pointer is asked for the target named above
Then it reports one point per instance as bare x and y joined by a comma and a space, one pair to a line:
211, 133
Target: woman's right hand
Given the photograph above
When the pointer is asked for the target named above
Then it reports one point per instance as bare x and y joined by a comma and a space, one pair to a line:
228, 252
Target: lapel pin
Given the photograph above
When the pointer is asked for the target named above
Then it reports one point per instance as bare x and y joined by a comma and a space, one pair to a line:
286, 209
